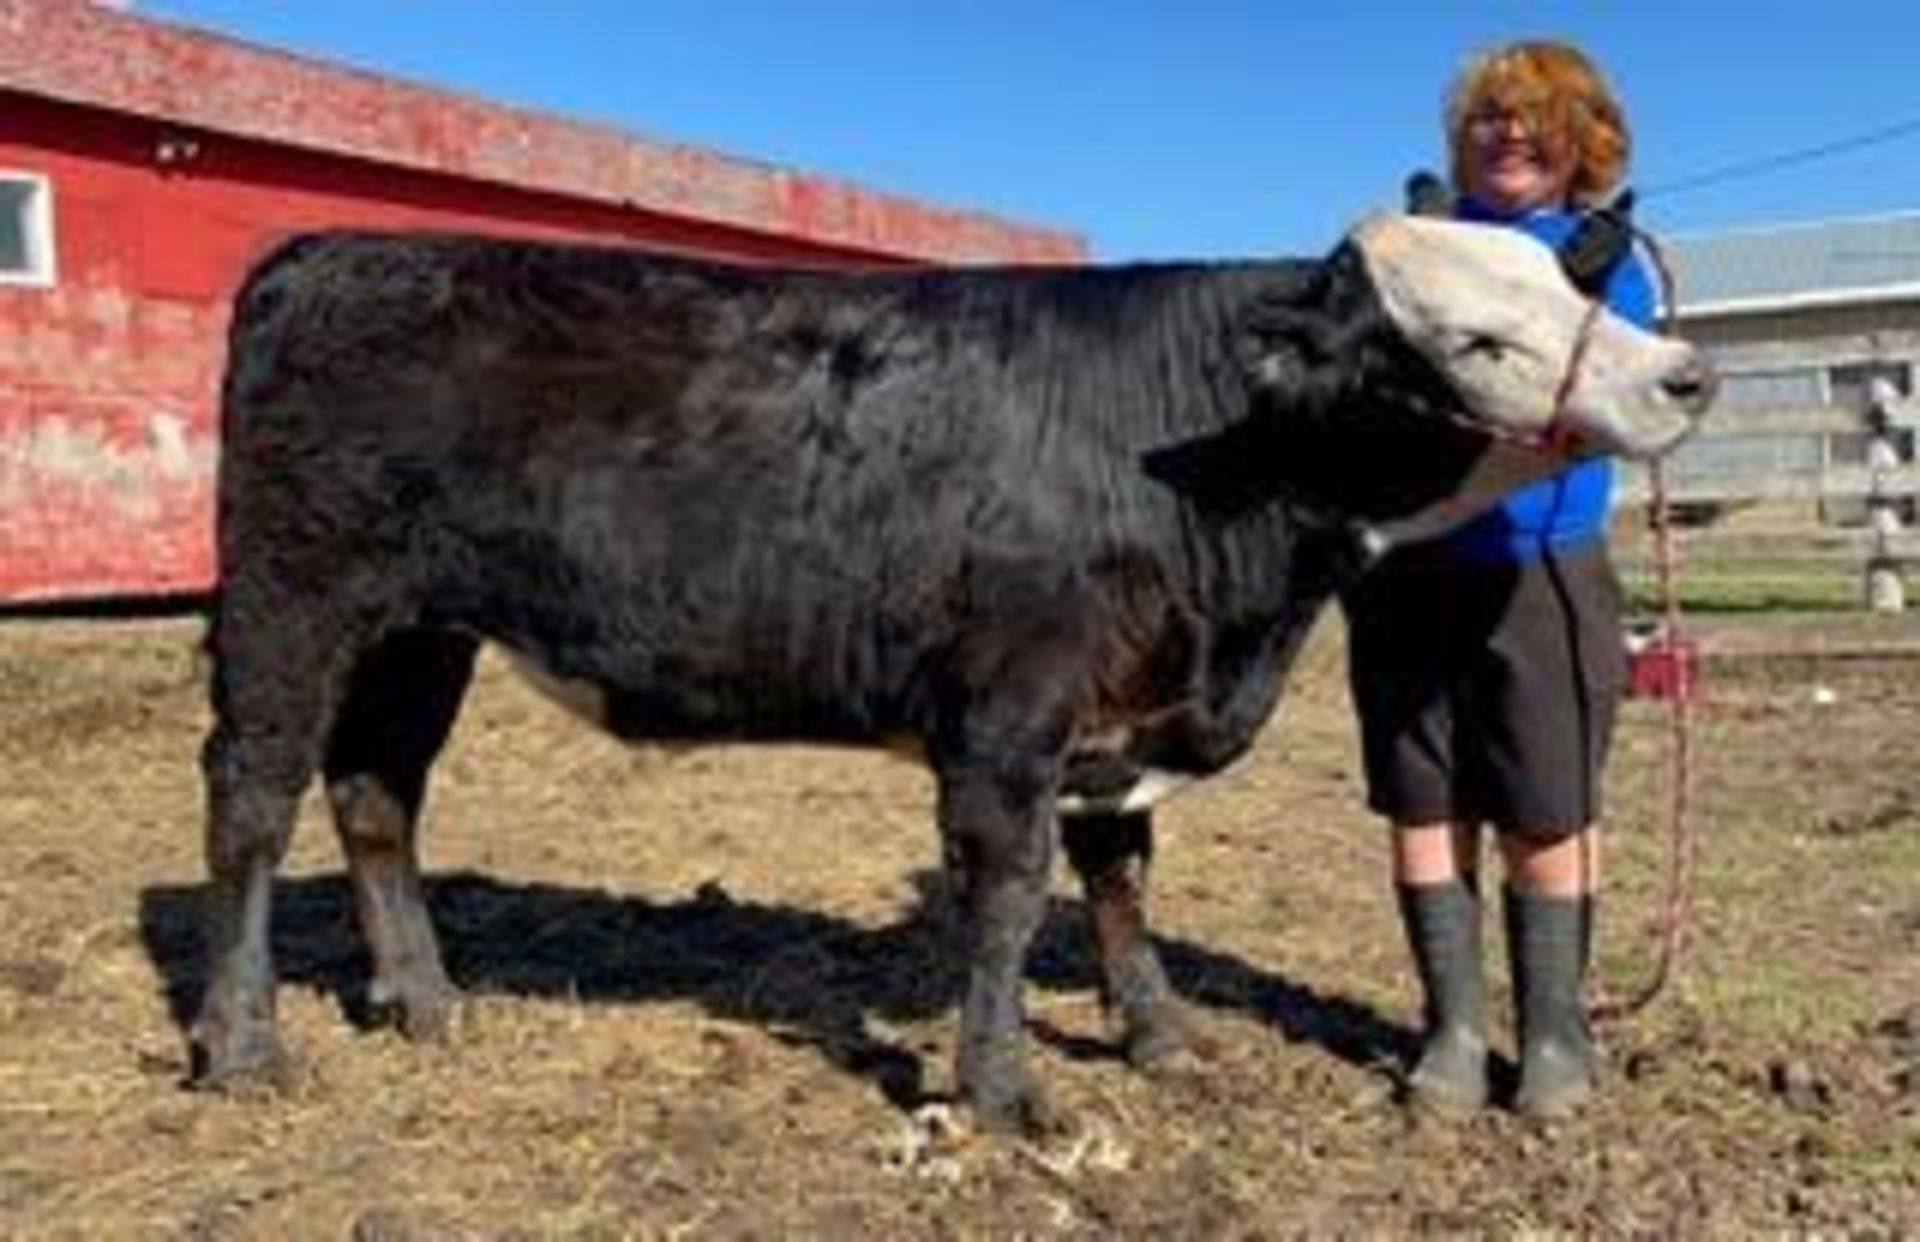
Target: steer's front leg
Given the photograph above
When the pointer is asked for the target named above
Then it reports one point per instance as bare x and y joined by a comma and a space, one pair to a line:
1111, 854
996, 818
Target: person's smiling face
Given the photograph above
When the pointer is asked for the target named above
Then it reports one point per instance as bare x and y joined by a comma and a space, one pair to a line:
1507, 167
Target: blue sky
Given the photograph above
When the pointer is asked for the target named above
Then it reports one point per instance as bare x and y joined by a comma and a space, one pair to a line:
1161, 128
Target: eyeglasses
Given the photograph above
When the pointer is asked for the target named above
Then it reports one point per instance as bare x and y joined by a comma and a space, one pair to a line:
1490, 122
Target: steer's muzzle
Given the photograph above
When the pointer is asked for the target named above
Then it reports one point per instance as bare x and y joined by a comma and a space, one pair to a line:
1672, 399
1692, 384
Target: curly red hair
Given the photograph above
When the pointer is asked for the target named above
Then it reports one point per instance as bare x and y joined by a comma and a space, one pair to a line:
1563, 99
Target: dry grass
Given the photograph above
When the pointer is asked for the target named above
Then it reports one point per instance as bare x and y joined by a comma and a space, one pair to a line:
706, 989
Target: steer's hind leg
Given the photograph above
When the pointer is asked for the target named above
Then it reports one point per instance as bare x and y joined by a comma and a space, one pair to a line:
1111, 854
399, 708
271, 695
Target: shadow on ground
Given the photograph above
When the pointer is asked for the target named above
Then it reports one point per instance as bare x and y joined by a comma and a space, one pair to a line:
810, 978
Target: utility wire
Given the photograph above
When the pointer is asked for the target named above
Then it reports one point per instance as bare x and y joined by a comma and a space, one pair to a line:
1787, 159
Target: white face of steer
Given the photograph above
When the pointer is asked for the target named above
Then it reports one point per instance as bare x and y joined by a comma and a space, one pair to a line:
1491, 310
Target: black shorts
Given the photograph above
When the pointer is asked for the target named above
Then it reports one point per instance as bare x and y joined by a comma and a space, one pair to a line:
1487, 693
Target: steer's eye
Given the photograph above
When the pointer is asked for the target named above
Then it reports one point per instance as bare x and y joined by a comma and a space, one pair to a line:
1480, 345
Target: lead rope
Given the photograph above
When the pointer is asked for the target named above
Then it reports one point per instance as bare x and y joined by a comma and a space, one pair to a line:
1675, 921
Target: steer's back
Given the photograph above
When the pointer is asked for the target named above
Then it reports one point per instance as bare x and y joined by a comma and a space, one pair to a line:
745, 500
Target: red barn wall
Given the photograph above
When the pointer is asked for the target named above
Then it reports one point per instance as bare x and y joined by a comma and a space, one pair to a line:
108, 380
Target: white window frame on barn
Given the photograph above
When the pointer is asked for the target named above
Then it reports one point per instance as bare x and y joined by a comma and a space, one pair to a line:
26, 213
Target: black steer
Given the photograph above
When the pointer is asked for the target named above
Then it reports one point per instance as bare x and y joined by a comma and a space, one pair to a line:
1060, 530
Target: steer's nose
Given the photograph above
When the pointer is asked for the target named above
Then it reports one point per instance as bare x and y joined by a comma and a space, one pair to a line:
1692, 384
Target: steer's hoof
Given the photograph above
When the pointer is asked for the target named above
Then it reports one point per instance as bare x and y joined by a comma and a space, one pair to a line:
1167, 1044
425, 1015
240, 1063
1025, 1112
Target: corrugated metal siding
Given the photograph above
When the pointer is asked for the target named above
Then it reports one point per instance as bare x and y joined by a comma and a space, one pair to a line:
1727, 332
1863, 257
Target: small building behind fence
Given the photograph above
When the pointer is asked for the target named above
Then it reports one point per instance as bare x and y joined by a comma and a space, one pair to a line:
1816, 329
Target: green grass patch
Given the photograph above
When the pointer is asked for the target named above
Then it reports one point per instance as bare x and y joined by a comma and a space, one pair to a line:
1748, 592
1777, 1002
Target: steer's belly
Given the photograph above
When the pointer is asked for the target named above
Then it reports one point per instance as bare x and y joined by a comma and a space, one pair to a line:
1098, 780
588, 700
696, 710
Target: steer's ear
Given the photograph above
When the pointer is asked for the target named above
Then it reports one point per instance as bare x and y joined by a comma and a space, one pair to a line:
1282, 347
1427, 195
1292, 353
1225, 474
1296, 345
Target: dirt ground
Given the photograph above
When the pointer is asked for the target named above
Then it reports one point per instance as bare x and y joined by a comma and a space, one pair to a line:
708, 995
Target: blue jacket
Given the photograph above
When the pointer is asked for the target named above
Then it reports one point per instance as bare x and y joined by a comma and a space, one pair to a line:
1570, 508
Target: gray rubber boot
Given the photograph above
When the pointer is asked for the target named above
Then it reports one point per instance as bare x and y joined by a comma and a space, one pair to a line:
1443, 930
1549, 939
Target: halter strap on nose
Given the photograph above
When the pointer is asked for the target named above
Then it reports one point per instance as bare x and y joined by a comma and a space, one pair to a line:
1559, 434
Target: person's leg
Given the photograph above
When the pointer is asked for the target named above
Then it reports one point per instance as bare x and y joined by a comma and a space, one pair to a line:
1566, 865
1402, 625
1549, 919
1435, 853
1555, 668
1436, 878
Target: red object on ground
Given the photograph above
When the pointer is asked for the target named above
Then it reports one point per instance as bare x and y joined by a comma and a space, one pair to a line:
1664, 667
174, 158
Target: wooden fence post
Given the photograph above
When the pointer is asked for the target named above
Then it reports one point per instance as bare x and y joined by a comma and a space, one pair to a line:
1886, 591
